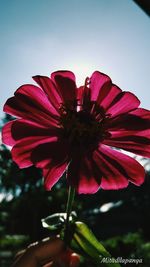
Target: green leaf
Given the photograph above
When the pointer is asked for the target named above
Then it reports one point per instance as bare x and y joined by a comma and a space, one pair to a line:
85, 241
82, 240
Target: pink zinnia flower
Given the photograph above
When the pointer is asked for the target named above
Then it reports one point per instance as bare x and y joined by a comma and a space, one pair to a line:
61, 127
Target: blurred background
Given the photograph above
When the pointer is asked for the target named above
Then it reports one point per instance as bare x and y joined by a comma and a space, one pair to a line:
39, 37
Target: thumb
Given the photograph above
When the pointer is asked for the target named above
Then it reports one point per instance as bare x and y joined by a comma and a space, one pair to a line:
67, 259
74, 260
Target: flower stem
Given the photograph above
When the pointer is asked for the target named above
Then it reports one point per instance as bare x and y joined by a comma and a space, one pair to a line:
71, 194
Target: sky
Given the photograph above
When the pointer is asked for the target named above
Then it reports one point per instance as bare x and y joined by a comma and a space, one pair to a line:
42, 36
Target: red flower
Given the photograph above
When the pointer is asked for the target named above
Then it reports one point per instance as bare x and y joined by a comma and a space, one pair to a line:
61, 127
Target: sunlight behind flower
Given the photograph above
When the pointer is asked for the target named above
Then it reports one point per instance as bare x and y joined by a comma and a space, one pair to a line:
82, 71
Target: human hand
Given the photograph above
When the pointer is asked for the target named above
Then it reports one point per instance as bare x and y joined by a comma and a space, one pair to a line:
50, 252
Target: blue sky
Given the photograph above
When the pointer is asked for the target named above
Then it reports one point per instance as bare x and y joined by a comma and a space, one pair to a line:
41, 36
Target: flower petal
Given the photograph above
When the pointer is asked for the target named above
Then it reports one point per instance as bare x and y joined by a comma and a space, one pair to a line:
53, 158
136, 120
15, 130
117, 168
55, 151
49, 88
21, 152
53, 174
100, 85
141, 112
84, 175
131, 132
79, 96
7, 135
136, 144
123, 102
109, 96
65, 83
31, 103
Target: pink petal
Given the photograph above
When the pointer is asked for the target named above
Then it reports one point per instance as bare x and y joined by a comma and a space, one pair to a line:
123, 102
131, 132
15, 130
49, 88
136, 120
55, 151
35, 96
79, 96
84, 176
100, 85
84, 98
131, 135
109, 96
80, 93
53, 157
21, 152
117, 168
139, 145
7, 135
141, 112
31, 103
53, 174
65, 83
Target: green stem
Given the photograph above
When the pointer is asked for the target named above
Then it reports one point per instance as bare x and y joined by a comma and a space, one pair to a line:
71, 195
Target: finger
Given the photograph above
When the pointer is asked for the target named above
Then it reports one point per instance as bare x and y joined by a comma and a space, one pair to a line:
50, 264
74, 260
41, 253
25, 260
19, 253
18, 256
67, 259
48, 250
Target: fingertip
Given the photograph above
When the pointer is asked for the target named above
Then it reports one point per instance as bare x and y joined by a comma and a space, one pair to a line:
74, 260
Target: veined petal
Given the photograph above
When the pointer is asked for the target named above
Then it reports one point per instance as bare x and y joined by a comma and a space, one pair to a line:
141, 112
21, 152
34, 96
65, 83
55, 151
84, 175
113, 92
16, 130
137, 120
7, 135
79, 96
122, 135
53, 158
100, 85
31, 103
131, 132
50, 89
117, 168
53, 173
123, 102
139, 145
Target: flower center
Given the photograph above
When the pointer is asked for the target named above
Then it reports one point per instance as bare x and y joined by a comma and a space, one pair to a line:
83, 128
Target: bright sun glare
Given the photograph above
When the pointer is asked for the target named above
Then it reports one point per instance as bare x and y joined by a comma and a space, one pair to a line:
81, 71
